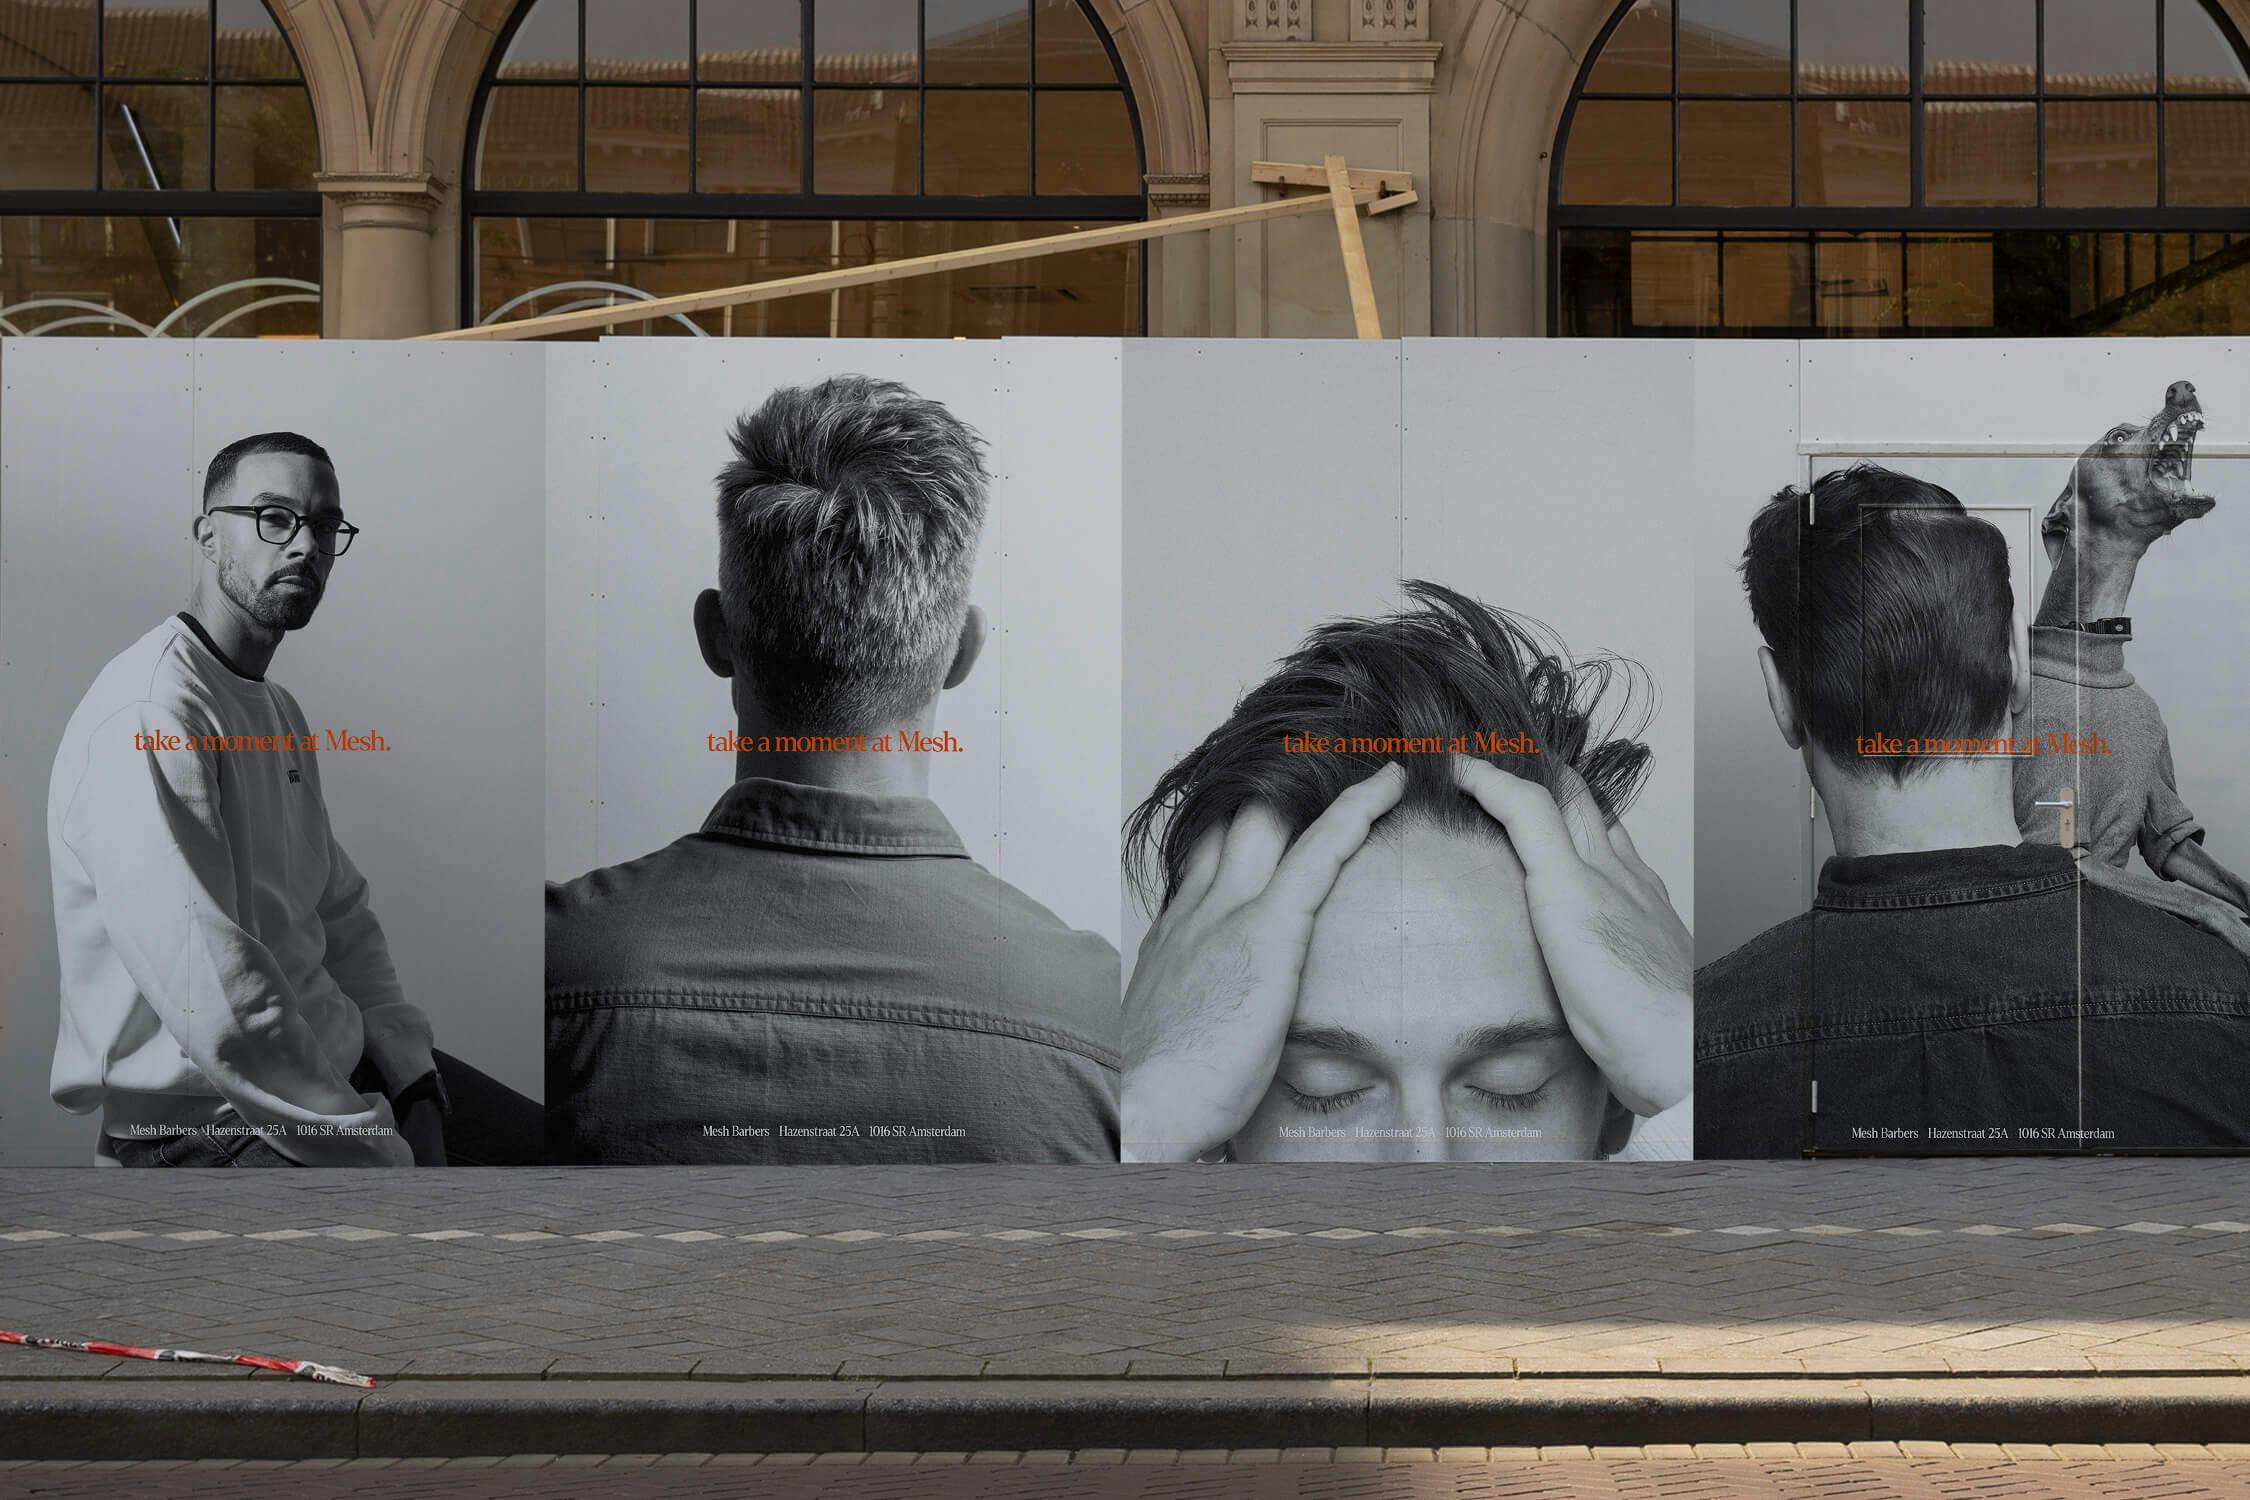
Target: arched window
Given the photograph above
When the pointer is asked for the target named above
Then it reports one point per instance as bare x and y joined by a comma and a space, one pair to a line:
156, 171
627, 149
1905, 167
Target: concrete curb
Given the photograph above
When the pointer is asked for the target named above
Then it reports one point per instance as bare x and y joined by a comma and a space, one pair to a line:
272, 1419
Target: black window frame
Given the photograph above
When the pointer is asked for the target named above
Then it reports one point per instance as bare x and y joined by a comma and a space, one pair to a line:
94, 201
1899, 222
482, 203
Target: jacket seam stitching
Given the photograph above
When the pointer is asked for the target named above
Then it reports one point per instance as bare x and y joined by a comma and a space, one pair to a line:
587, 1001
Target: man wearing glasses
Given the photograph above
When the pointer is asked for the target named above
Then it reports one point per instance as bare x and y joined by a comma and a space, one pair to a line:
227, 995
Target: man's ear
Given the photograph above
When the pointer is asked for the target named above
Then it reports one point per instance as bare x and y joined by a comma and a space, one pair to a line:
971, 646
206, 535
2019, 671
711, 633
1778, 699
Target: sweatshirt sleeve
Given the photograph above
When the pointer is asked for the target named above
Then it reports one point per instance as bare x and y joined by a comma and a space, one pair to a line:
145, 824
2166, 823
398, 1036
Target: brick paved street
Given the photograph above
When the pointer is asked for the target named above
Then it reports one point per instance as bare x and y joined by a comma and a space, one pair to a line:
1799, 1471
1908, 1267
873, 1309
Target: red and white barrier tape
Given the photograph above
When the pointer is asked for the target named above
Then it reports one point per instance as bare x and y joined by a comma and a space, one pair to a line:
304, 1368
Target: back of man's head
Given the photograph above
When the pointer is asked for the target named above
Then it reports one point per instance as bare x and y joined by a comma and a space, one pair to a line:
1888, 610
848, 527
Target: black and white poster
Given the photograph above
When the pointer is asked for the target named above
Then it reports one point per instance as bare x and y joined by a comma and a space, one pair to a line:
1969, 699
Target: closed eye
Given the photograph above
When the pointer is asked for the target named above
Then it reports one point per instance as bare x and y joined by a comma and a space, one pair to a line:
1321, 1104
1509, 1102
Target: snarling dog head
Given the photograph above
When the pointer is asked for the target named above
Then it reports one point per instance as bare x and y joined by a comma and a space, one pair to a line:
2132, 485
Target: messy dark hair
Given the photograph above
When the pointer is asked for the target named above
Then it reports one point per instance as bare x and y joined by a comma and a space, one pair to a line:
848, 526
1446, 666
1888, 611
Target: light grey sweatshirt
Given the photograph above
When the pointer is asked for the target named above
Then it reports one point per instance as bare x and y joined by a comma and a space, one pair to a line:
217, 945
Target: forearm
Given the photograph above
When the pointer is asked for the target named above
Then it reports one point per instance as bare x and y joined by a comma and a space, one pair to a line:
235, 1019
1651, 1067
2149, 890
1150, 1108
2191, 865
398, 1038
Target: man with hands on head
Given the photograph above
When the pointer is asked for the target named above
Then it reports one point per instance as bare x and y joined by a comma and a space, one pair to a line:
1442, 959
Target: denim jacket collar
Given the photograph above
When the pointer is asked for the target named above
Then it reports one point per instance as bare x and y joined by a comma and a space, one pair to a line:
1942, 877
790, 815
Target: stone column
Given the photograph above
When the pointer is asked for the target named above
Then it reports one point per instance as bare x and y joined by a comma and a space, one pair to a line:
1179, 270
379, 266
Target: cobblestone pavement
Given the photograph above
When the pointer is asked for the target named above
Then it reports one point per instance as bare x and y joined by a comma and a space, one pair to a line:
1857, 1470
2077, 1266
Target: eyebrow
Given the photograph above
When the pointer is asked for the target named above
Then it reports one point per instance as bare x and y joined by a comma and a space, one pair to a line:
1513, 1034
268, 497
1330, 1039
1484, 1039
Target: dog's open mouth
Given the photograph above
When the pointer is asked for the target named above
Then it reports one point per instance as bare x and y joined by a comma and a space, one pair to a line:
2171, 463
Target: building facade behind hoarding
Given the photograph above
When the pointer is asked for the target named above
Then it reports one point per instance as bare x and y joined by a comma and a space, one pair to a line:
1786, 168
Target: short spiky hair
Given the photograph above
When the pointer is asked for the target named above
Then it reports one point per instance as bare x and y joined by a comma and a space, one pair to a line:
848, 527
1888, 612
219, 473
1445, 666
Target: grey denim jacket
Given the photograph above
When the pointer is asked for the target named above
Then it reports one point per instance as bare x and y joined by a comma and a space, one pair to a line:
823, 976
1972, 1001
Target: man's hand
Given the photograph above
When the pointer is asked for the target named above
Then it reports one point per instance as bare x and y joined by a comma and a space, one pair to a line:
421, 1124
1216, 981
1618, 953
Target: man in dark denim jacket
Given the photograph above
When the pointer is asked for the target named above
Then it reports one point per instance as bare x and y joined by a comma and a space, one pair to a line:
821, 973
1952, 989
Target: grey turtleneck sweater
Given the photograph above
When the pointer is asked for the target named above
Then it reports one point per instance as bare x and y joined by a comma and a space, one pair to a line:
2120, 770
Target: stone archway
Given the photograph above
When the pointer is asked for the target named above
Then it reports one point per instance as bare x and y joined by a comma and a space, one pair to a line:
1160, 72
1516, 62
393, 83
1169, 95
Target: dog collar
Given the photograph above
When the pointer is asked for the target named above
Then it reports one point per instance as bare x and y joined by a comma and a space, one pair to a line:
2114, 625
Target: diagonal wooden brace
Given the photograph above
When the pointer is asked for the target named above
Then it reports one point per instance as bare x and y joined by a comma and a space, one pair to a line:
1367, 319
1377, 192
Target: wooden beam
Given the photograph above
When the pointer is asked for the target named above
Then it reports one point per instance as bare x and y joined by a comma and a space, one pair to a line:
1298, 174
1366, 319
920, 265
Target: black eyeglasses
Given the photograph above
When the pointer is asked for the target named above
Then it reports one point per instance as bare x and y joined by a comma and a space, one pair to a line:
279, 525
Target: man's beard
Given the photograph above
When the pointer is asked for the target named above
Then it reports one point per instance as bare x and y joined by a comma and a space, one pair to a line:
270, 605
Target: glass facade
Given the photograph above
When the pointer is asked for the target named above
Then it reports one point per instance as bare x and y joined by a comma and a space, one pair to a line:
557, 264
632, 148
1799, 168
157, 176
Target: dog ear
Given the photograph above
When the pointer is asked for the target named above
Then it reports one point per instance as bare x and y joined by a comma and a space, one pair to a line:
2055, 529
